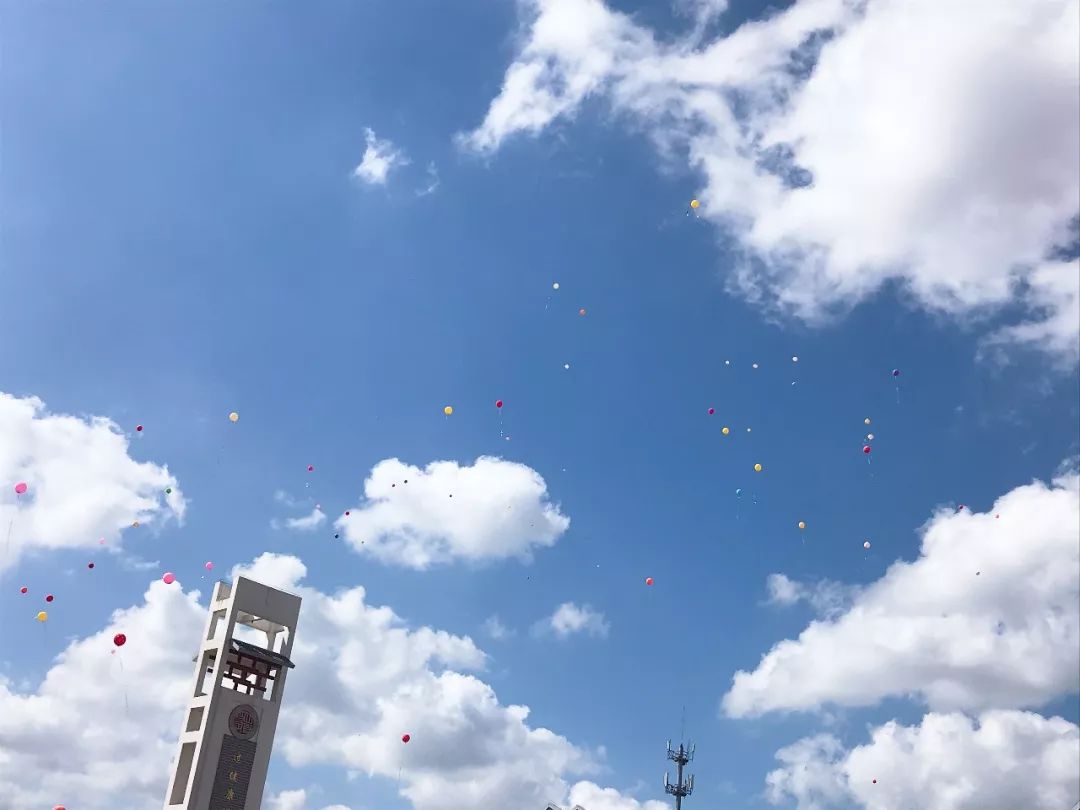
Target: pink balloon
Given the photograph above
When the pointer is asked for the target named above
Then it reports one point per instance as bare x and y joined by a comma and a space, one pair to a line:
20, 488
209, 566
169, 578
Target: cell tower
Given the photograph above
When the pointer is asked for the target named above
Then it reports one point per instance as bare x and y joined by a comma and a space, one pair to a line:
681, 756
228, 729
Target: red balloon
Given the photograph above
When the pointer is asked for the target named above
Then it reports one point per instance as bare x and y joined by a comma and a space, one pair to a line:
49, 597
648, 580
310, 468
866, 449
22, 589
405, 738
712, 411
119, 639
498, 403
59, 807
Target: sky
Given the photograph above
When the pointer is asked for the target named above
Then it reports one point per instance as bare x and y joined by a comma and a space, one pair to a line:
337, 219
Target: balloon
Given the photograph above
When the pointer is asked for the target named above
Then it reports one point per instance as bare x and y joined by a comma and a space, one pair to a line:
725, 430
138, 428
802, 524
119, 639
168, 490
234, 417
748, 430
754, 365
405, 738
866, 544
346, 513
22, 589
757, 468
566, 366
42, 616
738, 493
794, 358
20, 488
581, 312
134, 524
209, 566
896, 372
311, 468
90, 566
648, 580
555, 286
695, 204
712, 411
869, 437
866, 421
169, 578
866, 449
498, 403
448, 410
49, 597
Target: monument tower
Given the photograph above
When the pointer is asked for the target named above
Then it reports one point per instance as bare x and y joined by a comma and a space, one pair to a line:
228, 729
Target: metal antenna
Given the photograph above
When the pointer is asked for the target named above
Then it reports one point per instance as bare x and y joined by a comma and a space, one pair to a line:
682, 756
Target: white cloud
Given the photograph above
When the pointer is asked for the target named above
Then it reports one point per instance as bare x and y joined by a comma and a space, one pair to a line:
569, 619
987, 616
433, 182
362, 679
496, 630
380, 158
307, 523
594, 797
826, 597
1005, 760
69, 741
414, 517
917, 172
296, 800
288, 800
82, 482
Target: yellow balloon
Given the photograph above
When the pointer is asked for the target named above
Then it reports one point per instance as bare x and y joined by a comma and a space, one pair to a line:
726, 431
695, 203
757, 468
42, 616
802, 525
448, 410
234, 417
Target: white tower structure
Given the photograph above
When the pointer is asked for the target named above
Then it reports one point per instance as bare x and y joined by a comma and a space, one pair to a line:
228, 729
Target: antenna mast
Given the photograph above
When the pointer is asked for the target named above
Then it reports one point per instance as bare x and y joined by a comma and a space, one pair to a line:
681, 756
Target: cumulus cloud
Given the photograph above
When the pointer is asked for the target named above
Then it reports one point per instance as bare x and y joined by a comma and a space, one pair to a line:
296, 800
839, 156
496, 630
82, 484
362, 679
987, 616
308, 523
418, 518
1001, 761
380, 158
826, 597
570, 619
594, 797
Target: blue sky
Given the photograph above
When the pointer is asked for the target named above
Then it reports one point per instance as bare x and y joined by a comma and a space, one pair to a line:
183, 236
